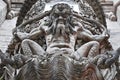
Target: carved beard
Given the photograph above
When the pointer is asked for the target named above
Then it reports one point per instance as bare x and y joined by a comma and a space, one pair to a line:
61, 27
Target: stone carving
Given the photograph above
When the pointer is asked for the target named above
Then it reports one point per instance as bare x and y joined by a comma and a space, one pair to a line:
64, 45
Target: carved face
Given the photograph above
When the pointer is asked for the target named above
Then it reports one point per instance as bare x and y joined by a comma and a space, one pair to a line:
61, 11
60, 17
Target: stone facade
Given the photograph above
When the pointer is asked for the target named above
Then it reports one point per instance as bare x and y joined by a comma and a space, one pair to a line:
3, 11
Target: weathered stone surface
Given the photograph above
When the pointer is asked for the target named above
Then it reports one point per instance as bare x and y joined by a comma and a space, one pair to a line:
3, 11
6, 33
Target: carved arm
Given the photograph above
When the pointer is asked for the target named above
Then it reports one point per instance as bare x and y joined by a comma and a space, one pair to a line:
88, 36
33, 35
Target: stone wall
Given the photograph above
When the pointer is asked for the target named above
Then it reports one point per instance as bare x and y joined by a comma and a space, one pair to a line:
3, 11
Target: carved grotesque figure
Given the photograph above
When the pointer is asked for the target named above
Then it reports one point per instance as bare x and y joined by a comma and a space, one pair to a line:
62, 34
51, 52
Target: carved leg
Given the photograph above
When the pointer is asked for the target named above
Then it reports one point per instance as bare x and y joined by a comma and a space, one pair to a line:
30, 47
90, 49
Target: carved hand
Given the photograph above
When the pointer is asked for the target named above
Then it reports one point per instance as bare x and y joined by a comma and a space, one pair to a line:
101, 38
